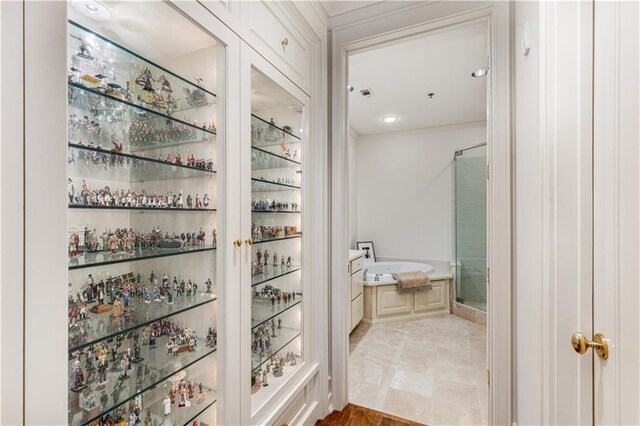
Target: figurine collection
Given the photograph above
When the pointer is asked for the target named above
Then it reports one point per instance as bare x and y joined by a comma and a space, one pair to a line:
107, 159
147, 90
120, 293
263, 232
181, 393
273, 206
262, 261
142, 132
276, 366
106, 197
272, 134
130, 241
270, 293
280, 181
108, 363
267, 158
116, 113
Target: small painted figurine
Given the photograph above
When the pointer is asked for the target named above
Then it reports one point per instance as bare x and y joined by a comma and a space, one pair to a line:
144, 80
166, 403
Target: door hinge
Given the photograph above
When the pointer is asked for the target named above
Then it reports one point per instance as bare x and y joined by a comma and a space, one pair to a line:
488, 277
488, 377
488, 171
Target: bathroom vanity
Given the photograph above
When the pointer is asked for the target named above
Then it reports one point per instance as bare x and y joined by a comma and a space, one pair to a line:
383, 302
354, 287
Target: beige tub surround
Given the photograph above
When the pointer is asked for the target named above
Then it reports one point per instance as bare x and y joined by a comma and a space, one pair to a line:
383, 302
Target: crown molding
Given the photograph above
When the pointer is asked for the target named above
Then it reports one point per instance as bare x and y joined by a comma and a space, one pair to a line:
423, 130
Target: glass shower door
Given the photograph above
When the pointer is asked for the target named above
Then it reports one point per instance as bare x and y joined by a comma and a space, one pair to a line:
471, 226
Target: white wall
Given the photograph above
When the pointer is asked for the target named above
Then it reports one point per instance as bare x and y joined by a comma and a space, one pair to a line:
404, 191
352, 142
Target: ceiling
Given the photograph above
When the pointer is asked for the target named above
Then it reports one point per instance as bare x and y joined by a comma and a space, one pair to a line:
401, 74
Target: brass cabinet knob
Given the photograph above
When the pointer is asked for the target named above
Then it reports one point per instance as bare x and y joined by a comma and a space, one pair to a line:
285, 41
249, 241
581, 344
237, 243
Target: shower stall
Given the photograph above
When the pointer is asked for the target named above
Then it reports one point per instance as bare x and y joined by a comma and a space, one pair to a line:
470, 225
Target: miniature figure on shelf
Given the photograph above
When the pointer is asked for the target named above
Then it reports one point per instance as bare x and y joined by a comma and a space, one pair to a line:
144, 80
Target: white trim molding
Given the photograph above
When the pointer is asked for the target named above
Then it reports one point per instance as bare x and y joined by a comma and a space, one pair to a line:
407, 20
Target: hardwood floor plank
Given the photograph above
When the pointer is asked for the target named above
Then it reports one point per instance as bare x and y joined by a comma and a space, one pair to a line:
355, 415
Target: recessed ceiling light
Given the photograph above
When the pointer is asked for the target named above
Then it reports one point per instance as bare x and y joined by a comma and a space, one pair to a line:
93, 9
389, 119
480, 72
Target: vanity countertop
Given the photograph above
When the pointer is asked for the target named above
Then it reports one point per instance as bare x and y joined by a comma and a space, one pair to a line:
354, 254
441, 272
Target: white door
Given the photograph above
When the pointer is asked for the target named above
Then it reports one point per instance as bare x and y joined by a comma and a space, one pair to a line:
616, 213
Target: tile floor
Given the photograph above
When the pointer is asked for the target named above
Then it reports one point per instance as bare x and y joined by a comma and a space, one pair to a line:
430, 370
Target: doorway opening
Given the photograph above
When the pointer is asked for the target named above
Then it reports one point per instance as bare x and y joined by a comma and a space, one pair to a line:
418, 220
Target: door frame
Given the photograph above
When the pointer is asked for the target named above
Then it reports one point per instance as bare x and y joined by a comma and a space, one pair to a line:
405, 21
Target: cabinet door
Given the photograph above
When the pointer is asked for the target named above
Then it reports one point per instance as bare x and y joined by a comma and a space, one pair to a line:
268, 29
433, 299
144, 167
276, 247
390, 302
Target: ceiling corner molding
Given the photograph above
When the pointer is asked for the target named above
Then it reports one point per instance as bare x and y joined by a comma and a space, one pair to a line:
423, 130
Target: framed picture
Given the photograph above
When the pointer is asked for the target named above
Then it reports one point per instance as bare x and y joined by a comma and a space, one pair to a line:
369, 252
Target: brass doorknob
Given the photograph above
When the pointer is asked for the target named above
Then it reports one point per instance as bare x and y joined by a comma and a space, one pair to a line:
285, 41
237, 243
249, 241
581, 344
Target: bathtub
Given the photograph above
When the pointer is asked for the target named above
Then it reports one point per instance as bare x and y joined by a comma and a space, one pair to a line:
385, 269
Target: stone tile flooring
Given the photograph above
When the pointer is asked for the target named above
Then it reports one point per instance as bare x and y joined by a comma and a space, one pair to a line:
430, 370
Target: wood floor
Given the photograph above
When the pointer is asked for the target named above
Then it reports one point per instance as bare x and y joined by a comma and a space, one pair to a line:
355, 415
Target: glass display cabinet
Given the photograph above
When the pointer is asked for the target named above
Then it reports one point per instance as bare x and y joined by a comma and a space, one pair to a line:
142, 184
277, 188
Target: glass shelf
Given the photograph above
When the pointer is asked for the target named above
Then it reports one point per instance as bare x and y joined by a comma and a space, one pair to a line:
108, 110
263, 394
262, 160
263, 311
283, 337
262, 185
276, 272
153, 209
277, 211
161, 367
120, 65
99, 327
88, 260
100, 164
277, 239
205, 405
264, 134
206, 417
179, 415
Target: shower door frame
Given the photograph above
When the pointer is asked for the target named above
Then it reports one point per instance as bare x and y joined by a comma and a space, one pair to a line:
381, 23
454, 298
